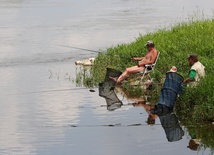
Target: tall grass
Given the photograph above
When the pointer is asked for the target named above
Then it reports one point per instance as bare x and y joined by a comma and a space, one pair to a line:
196, 104
175, 45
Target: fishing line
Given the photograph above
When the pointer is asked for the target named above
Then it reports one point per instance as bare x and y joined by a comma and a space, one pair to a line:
79, 48
48, 91
94, 51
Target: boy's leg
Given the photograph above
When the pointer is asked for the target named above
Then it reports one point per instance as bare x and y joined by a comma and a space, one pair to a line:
128, 72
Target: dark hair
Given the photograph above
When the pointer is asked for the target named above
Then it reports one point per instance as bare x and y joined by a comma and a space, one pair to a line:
150, 44
193, 57
150, 120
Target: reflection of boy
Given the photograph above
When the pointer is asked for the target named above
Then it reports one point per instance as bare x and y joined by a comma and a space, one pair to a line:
151, 117
194, 144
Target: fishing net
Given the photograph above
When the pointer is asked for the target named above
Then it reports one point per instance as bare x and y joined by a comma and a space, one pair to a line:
111, 72
173, 82
106, 90
169, 92
171, 88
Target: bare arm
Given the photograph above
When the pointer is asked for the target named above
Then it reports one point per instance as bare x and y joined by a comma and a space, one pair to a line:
187, 80
191, 77
137, 58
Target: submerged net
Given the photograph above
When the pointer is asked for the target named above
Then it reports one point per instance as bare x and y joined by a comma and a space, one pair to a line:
106, 90
171, 127
169, 121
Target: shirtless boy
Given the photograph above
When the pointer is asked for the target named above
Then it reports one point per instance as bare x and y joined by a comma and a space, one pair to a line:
149, 58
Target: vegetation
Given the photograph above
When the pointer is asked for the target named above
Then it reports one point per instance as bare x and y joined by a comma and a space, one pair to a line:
202, 132
175, 44
196, 104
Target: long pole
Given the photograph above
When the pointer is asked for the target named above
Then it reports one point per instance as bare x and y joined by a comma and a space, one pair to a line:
85, 49
81, 48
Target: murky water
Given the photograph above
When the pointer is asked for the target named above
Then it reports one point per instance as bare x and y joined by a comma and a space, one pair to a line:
42, 109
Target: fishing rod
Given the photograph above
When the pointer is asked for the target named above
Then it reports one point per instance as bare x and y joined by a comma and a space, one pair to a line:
94, 51
79, 48
54, 90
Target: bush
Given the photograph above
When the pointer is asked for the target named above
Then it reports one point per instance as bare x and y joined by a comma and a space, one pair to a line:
198, 101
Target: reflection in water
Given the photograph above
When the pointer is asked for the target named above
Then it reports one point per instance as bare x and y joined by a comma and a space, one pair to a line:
106, 90
151, 117
170, 90
202, 137
169, 121
39, 123
194, 144
171, 127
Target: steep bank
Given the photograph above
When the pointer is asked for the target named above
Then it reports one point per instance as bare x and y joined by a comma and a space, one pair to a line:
175, 45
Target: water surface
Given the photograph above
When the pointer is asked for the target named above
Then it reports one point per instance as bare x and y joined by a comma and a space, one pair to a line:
42, 109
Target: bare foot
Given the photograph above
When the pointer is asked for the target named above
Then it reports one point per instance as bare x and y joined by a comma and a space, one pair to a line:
113, 78
138, 104
119, 83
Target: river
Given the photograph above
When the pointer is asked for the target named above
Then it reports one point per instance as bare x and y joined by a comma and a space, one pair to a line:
43, 111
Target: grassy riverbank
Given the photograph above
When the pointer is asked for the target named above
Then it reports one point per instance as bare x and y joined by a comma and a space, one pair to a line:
175, 44
195, 107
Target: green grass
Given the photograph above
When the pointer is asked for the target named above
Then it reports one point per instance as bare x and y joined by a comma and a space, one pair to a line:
196, 104
204, 133
175, 44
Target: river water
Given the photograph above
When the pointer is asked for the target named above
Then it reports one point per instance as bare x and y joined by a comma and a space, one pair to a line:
43, 111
